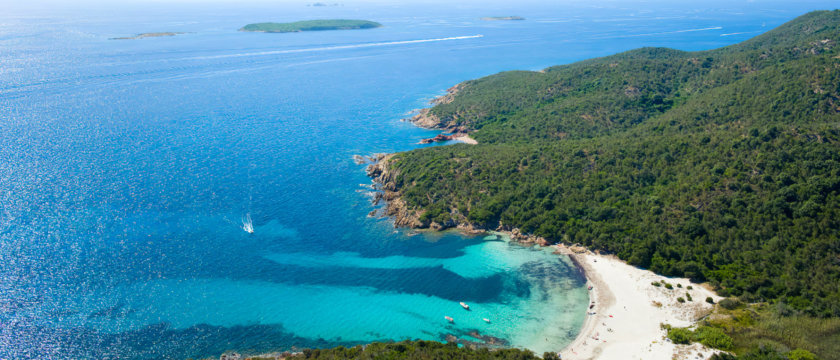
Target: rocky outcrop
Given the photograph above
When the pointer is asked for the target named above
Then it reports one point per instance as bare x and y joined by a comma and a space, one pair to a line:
523, 238
395, 207
442, 138
425, 119
449, 96
370, 159
400, 212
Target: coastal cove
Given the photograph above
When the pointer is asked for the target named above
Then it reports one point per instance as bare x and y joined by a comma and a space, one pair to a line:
515, 178
187, 196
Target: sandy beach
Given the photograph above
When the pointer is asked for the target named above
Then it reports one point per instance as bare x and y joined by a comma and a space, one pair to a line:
626, 313
466, 139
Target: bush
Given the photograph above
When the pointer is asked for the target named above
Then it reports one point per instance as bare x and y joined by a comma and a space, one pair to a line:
656, 283
668, 286
713, 338
680, 335
762, 352
680, 299
689, 287
688, 296
679, 285
730, 303
723, 356
801, 354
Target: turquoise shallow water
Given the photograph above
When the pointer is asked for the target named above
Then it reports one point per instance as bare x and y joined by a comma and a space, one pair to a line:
126, 168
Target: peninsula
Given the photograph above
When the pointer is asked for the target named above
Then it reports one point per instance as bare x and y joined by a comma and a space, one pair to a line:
148, 35
720, 167
310, 25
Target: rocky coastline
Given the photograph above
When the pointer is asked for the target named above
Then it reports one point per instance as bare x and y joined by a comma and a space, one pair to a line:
384, 177
386, 191
425, 119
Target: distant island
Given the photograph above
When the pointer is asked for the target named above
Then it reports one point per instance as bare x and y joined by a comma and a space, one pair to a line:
147, 35
498, 18
311, 25
323, 4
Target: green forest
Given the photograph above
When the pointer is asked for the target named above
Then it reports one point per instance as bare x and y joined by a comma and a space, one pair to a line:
722, 166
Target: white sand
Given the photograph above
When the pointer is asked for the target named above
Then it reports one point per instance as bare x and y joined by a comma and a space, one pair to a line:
626, 324
466, 139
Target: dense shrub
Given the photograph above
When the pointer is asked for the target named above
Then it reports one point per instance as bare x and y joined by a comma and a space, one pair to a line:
713, 338
801, 354
730, 303
680, 335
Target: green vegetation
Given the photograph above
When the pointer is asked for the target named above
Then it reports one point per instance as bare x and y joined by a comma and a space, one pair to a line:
762, 331
730, 304
710, 336
713, 338
311, 25
417, 350
720, 166
147, 35
680, 335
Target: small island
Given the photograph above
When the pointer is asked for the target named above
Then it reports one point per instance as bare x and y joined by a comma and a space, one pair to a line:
147, 35
500, 18
310, 25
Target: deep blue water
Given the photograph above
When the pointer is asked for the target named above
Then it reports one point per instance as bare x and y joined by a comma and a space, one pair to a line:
127, 166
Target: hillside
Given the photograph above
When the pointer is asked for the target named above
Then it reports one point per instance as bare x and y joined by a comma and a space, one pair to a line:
721, 165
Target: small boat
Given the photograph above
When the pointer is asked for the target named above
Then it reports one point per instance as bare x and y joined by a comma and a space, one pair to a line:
449, 319
486, 320
247, 224
465, 306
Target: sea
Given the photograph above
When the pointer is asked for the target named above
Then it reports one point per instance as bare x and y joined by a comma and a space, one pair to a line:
184, 196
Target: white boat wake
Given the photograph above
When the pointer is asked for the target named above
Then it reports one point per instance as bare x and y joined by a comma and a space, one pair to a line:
338, 47
247, 224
